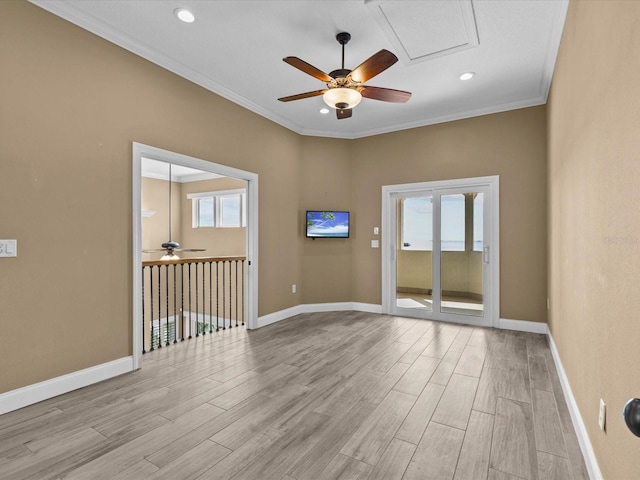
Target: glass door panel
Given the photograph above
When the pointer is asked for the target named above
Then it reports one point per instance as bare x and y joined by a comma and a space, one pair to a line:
461, 254
414, 253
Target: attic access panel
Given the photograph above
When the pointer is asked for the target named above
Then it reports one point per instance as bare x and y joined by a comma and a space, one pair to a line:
422, 31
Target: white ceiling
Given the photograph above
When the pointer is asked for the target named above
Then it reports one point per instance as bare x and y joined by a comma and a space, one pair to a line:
235, 49
160, 171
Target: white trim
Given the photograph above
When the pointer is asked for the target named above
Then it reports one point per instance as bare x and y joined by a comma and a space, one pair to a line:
140, 151
523, 326
237, 191
578, 424
22, 397
491, 277
280, 315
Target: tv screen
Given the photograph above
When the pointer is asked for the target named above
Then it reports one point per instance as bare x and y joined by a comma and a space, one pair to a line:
327, 224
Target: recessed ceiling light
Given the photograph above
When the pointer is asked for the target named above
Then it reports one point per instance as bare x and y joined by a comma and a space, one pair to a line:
324, 111
185, 15
467, 76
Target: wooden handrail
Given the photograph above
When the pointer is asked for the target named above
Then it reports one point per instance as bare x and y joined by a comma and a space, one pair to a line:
179, 261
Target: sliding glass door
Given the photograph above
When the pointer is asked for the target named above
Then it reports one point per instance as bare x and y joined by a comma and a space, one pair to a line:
438, 252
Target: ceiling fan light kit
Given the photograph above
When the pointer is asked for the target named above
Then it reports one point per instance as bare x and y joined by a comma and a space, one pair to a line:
342, 97
345, 88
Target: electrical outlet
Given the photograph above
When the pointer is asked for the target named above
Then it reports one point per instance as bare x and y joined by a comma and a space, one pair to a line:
602, 417
293, 289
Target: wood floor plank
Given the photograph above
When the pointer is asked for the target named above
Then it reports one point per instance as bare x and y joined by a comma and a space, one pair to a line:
446, 367
373, 437
539, 374
349, 393
461, 339
380, 390
416, 349
487, 392
318, 396
139, 470
471, 361
420, 415
52, 457
455, 405
390, 356
497, 475
312, 465
576, 460
346, 468
563, 409
551, 467
473, 463
394, 461
513, 447
548, 429
441, 343
132, 452
244, 456
255, 405
417, 376
287, 449
513, 382
252, 386
177, 409
437, 453
192, 463
263, 415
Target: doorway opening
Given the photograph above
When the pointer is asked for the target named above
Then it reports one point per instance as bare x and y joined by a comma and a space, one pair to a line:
195, 237
440, 256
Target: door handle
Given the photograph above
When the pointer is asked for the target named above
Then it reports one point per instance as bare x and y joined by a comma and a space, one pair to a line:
485, 254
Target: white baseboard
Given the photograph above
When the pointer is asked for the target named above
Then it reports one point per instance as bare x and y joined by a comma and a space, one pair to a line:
523, 326
578, 424
315, 308
38, 392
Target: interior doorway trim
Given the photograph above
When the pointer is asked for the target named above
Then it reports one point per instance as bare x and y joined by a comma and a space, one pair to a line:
389, 230
141, 151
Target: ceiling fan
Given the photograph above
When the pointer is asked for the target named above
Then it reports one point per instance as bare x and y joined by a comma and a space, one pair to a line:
171, 247
345, 88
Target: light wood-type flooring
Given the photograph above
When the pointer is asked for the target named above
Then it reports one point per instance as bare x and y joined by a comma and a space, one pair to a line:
323, 396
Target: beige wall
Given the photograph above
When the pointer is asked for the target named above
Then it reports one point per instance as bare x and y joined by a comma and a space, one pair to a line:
512, 145
72, 104
326, 185
594, 232
154, 197
219, 242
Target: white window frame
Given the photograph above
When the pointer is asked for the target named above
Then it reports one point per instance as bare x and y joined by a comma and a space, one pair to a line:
217, 207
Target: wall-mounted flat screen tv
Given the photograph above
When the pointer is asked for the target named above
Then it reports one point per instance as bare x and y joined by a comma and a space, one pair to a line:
327, 224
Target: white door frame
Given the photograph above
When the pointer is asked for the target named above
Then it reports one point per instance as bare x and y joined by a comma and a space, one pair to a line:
491, 218
141, 151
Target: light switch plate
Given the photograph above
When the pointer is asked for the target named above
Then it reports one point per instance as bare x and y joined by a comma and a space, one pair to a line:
8, 248
375, 243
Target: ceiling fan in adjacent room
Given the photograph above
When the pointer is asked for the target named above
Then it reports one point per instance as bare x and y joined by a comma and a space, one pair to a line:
345, 88
170, 247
